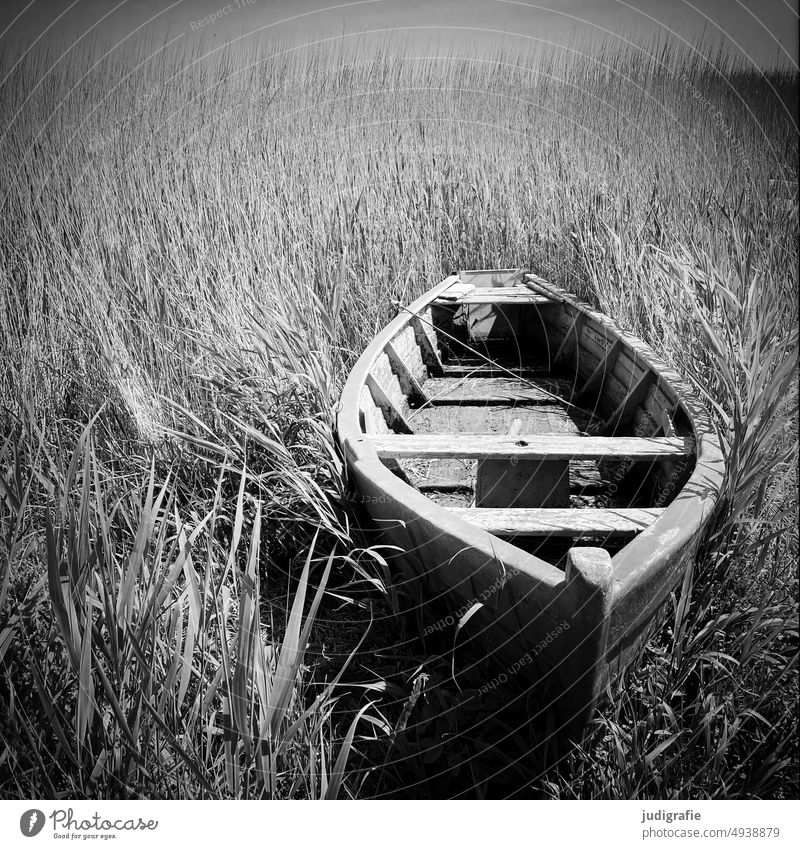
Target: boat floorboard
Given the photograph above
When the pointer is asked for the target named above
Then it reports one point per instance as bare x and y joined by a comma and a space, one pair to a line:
497, 418
494, 390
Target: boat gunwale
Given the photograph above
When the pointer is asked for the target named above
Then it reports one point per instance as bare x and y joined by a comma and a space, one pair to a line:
642, 558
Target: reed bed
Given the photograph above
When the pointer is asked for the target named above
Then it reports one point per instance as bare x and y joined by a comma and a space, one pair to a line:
194, 248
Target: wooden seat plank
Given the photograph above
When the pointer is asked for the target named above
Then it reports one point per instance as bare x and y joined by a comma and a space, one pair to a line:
529, 447
501, 295
513, 521
478, 368
494, 390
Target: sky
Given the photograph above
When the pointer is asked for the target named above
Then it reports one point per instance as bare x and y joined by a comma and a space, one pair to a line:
761, 32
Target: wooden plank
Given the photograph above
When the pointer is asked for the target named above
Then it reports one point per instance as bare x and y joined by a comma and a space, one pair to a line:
521, 483
530, 447
491, 278
493, 390
542, 287
408, 383
597, 338
501, 296
444, 485
456, 291
589, 521
405, 345
630, 366
627, 407
430, 355
616, 390
594, 383
372, 418
484, 369
569, 344
383, 374
488, 322
664, 419
660, 398
394, 418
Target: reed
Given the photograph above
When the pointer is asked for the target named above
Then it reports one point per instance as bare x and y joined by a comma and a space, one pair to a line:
195, 248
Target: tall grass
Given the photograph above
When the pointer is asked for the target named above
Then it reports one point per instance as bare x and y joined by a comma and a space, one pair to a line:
193, 251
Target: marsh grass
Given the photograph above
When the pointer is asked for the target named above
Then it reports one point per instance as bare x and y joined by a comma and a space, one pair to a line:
194, 251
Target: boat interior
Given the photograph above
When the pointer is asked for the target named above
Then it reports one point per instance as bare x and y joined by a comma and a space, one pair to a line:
529, 415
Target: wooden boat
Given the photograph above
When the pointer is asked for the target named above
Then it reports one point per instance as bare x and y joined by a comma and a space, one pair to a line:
527, 455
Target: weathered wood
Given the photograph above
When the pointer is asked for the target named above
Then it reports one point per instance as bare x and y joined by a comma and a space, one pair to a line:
373, 419
596, 339
588, 521
590, 576
542, 287
594, 383
443, 485
454, 292
408, 383
383, 374
630, 366
429, 353
664, 419
483, 369
394, 418
660, 402
501, 296
488, 322
543, 447
492, 278
624, 411
458, 418
521, 483
493, 390
407, 349
560, 621
569, 344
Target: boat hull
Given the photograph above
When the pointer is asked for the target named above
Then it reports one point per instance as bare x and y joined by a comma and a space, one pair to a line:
564, 628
